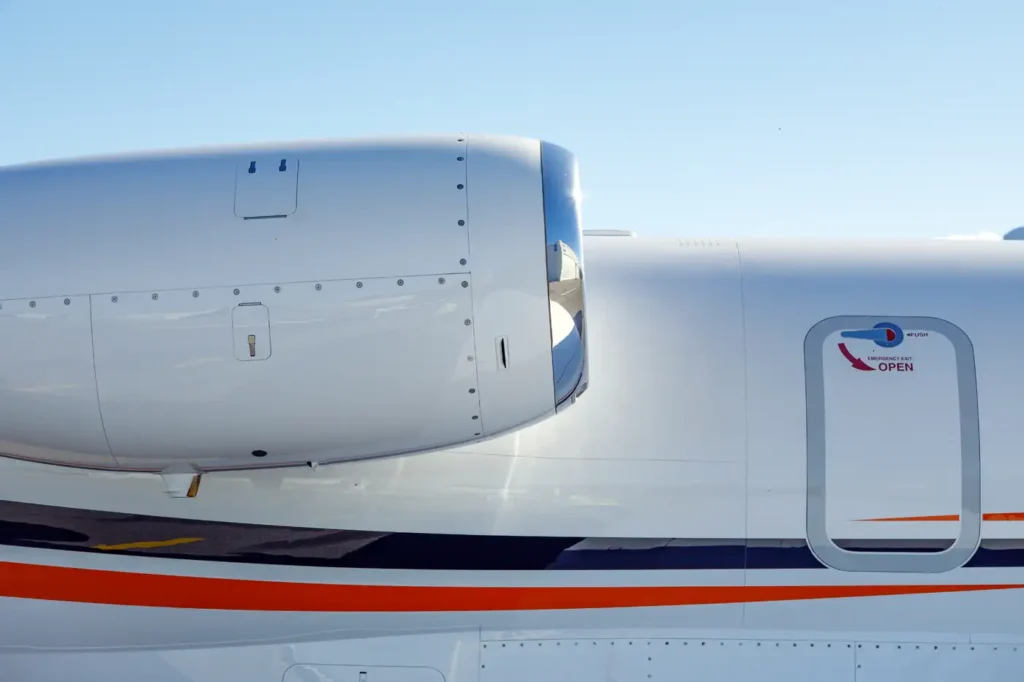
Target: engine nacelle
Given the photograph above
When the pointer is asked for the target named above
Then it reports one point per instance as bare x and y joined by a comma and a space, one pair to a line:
304, 302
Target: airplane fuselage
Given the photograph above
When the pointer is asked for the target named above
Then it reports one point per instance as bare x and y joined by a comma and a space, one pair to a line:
793, 459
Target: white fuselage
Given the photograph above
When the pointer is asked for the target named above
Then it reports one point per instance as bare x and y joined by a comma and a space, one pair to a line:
793, 459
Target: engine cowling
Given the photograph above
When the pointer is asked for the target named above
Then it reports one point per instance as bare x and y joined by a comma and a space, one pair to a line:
277, 305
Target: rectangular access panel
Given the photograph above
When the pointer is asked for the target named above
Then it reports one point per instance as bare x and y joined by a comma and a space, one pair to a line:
251, 326
892, 440
266, 187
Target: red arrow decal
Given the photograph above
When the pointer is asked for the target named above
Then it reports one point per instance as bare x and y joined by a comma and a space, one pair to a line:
855, 361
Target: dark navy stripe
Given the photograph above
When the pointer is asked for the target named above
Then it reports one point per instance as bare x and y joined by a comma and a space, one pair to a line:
47, 527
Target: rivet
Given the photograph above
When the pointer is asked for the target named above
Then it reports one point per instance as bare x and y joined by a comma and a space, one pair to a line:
195, 294
359, 285
113, 299
401, 282
31, 304
460, 186
67, 301
462, 261
319, 287
467, 322
277, 290
440, 280
472, 390
236, 292
462, 222
155, 296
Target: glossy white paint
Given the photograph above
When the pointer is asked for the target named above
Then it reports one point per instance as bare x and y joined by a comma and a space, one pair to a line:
510, 297
661, 467
789, 287
317, 392
927, 473
467, 656
674, 460
314, 302
462, 656
696, 426
53, 375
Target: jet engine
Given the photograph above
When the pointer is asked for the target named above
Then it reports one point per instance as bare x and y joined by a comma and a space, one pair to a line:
273, 305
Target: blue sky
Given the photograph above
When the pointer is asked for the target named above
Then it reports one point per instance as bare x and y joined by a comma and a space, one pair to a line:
715, 118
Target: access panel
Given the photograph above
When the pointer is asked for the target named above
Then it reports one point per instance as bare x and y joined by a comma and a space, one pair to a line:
251, 325
286, 373
266, 187
893, 459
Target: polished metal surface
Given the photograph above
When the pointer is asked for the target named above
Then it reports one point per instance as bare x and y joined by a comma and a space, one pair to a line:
566, 297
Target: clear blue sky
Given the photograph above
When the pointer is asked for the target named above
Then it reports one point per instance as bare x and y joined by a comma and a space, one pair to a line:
720, 117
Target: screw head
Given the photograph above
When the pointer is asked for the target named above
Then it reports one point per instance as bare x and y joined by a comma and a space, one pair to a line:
113, 299
31, 304
67, 301
277, 290
459, 158
401, 282
467, 322
236, 292
195, 294
440, 280
475, 417
462, 261
472, 390
462, 222
155, 296
465, 284
359, 285
460, 186
319, 287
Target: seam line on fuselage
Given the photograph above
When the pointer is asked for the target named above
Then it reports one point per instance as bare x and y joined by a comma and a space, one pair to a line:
746, 418
472, 287
96, 383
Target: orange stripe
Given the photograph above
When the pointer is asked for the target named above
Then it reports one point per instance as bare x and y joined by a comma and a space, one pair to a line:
30, 581
1001, 516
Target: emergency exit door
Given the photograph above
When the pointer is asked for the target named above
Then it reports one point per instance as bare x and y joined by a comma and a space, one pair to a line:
892, 439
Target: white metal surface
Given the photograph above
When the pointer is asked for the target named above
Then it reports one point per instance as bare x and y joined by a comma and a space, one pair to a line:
510, 297
48, 370
350, 272
266, 187
702, 428
471, 656
166, 220
347, 370
661, 450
